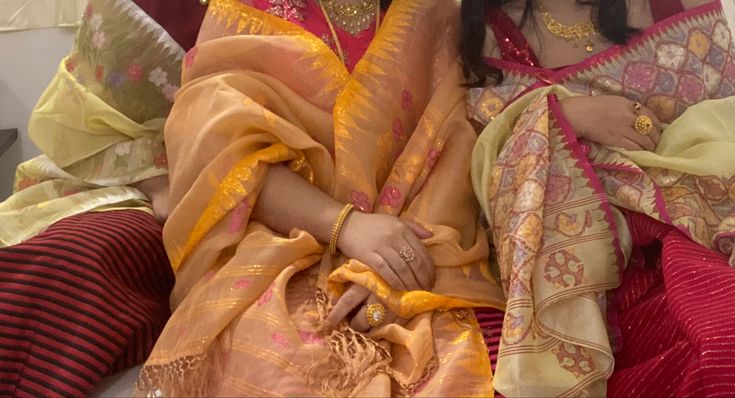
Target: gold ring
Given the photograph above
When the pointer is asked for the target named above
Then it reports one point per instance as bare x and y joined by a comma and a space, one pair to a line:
375, 314
407, 254
643, 125
637, 106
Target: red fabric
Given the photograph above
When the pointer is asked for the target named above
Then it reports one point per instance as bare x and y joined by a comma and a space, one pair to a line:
676, 320
513, 45
311, 18
662, 9
180, 18
86, 298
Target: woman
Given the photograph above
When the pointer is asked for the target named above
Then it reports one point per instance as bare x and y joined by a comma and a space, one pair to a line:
608, 184
84, 278
282, 288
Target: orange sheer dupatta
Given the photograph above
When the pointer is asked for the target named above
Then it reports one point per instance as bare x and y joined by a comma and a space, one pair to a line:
392, 137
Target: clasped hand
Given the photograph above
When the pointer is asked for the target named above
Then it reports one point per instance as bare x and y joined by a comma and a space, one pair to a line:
394, 250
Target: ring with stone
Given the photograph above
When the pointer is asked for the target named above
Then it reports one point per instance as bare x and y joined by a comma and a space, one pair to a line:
375, 314
407, 254
643, 125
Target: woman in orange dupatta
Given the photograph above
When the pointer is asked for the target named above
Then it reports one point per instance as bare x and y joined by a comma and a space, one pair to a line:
252, 305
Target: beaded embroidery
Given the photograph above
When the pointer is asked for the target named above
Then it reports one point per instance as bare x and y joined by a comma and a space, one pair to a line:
290, 10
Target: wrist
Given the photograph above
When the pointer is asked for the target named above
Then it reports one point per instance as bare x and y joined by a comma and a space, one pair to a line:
571, 112
344, 236
336, 230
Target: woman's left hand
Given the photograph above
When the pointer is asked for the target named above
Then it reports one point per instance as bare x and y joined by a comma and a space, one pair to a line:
357, 298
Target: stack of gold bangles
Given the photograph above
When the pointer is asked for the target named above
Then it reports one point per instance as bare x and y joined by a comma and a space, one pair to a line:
643, 124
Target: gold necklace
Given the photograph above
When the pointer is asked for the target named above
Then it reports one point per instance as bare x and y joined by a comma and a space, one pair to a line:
335, 37
572, 34
352, 18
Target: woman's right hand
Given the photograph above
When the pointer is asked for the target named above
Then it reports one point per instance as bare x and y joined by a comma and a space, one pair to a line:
382, 242
609, 120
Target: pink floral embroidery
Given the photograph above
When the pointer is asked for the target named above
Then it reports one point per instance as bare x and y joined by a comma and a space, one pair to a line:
267, 296
390, 197
290, 10
71, 65
26, 183
190, 57
169, 91
135, 72
160, 161
280, 339
641, 76
407, 103
397, 129
98, 39
361, 201
99, 72
237, 219
311, 338
433, 157
243, 283
88, 11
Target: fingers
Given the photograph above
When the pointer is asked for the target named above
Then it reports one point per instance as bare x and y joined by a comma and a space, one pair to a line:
630, 145
644, 142
418, 230
423, 265
655, 134
400, 268
353, 297
360, 321
386, 270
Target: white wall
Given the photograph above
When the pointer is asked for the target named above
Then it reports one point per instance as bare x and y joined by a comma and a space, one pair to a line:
729, 7
28, 60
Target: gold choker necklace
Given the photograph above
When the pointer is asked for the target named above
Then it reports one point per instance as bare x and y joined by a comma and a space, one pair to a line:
352, 18
573, 34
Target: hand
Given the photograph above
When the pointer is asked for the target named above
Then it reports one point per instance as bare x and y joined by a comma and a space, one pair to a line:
357, 297
377, 240
157, 191
609, 120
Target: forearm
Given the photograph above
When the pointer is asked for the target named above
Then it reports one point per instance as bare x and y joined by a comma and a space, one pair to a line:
287, 201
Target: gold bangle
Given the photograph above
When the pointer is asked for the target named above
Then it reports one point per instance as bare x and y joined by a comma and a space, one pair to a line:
337, 227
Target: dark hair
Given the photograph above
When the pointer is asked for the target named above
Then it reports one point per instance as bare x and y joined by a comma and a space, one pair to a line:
610, 18
384, 4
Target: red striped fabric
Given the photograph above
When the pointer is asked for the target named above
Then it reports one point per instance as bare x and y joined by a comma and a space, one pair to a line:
86, 298
675, 318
